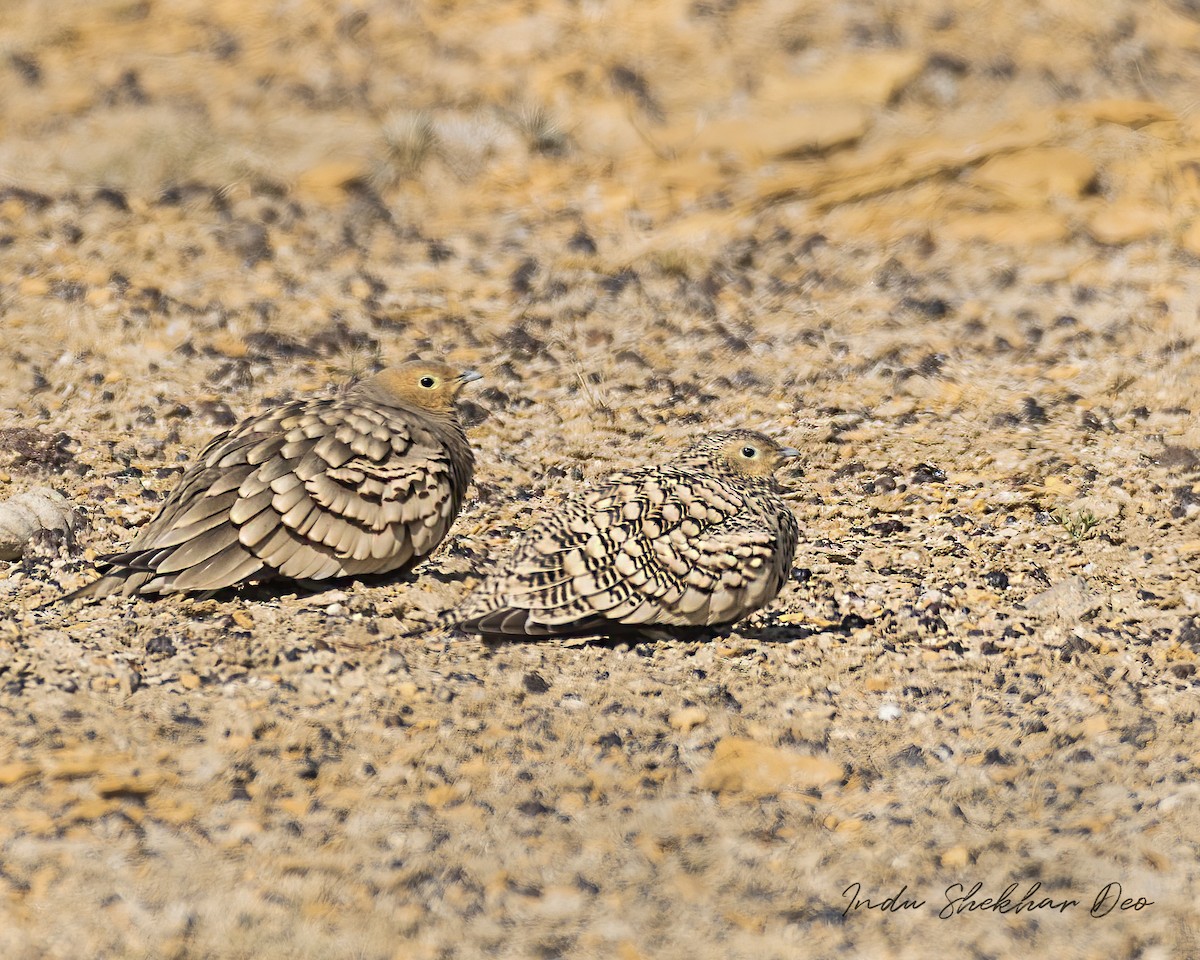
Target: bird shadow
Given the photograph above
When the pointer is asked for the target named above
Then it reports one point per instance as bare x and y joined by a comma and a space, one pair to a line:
269, 591
773, 632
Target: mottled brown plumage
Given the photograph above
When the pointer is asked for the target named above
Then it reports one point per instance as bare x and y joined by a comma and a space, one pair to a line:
700, 542
367, 482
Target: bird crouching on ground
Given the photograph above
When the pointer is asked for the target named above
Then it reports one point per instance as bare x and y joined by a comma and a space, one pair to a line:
700, 542
367, 482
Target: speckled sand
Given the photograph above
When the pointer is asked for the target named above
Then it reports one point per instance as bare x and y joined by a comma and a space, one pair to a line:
947, 249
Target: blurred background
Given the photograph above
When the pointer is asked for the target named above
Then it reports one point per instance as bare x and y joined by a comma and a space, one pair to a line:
644, 132
232, 169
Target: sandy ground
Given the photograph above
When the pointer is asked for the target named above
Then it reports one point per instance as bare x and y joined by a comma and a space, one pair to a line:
948, 249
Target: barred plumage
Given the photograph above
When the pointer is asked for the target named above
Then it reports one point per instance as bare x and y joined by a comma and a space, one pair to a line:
701, 542
368, 482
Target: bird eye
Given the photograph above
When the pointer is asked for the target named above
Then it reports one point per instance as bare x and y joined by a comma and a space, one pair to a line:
749, 453
428, 382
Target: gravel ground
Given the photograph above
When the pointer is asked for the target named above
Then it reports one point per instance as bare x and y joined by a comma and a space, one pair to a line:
947, 251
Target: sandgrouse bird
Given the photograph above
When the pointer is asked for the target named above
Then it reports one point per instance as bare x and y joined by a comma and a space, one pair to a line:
363, 483
701, 542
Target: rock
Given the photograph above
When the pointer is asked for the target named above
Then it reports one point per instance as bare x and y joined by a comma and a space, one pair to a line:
1127, 220
871, 78
1010, 228
1069, 599
687, 718
1031, 177
1128, 113
128, 785
1094, 725
24, 515
814, 130
15, 772
326, 182
744, 766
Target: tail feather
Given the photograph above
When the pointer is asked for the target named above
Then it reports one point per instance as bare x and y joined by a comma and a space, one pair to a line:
503, 621
494, 618
120, 581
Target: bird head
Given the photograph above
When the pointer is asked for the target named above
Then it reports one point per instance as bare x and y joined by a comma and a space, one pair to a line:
428, 384
745, 453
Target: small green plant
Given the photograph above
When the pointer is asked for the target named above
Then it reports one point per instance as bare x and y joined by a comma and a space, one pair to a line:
1078, 523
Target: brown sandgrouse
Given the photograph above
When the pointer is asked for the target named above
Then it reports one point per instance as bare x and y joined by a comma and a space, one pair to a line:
701, 542
367, 482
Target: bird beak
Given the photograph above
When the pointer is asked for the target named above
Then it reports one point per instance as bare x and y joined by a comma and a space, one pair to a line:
470, 376
788, 452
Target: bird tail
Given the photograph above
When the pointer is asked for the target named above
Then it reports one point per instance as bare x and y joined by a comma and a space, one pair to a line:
94, 590
124, 582
492, 617
449, 621
483, 606
500, 621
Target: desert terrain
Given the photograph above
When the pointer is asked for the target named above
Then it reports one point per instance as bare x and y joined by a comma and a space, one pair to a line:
948, 249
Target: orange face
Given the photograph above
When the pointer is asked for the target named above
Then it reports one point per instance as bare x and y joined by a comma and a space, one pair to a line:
754, 455
430, 384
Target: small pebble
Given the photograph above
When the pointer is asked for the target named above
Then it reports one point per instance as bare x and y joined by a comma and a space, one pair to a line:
889, 711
